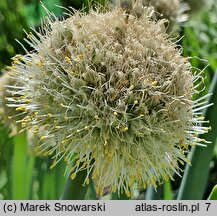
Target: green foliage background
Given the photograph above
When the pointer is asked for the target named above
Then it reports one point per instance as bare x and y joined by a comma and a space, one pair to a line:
23, 176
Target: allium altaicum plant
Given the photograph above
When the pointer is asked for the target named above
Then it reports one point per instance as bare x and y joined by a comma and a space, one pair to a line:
113, 95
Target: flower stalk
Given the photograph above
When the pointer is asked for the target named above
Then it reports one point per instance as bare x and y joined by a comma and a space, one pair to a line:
75, 189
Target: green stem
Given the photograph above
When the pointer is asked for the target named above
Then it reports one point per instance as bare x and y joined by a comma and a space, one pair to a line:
74, 189
195, 177
122, 196
213, 194
22, 169
152, 193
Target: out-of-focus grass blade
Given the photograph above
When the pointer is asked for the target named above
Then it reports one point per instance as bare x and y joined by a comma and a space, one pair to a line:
74, 189
167, 191
33, 11
50, 181
49, 186
53, 182
122, 196
22, 169
195, 177
6, 149
30, 162
213, 194
153, 194
60, 179
18, 167
3, 182
91, 192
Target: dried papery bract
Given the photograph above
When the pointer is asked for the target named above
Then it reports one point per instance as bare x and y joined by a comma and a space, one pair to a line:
114, 93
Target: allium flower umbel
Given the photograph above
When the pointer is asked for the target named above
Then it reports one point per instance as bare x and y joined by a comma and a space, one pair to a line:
172, 10
7, 112
113, 94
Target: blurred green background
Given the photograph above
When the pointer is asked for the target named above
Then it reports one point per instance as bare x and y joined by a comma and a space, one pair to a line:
23, 176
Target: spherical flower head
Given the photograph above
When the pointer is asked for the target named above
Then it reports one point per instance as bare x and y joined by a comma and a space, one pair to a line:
6, 112
9, 114
4, 80
114, 96
172, 10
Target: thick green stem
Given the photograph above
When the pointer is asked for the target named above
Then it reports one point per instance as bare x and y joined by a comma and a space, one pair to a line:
213, 194
22, 169
74, 189
122, 196
153, 194
195, 176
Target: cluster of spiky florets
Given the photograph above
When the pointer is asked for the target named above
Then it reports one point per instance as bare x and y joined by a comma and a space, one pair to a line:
112, 93
9, 115
4, 80
166, 9
7, 112
172, 10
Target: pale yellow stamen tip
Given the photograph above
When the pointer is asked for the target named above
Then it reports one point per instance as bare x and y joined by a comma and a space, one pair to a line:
125, 129
29, 35
131, 87
154, 83
73, 176
44, 137
49, 115
21, 108
27, 101
67, 59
